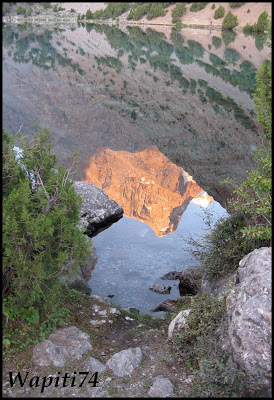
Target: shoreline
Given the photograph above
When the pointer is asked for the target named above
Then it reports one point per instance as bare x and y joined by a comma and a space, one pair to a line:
22, 20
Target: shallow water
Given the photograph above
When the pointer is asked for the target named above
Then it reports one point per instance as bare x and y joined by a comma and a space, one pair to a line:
131, 258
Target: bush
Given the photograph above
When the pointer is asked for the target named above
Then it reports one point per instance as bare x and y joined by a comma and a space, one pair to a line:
230, 21
5, 8
40, 224
88, 14
213, 6
236, 5
20, 10
197, 7
219, 13
178, 11
260, 27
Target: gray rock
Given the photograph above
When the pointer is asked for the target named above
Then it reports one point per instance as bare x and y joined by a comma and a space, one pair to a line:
162, 387
249, 316
95, 366
98, 211
217, 287
62, 346
161, 289
124, 362
178, 322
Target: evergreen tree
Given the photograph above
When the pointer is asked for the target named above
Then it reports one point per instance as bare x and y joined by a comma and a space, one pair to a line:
40, 224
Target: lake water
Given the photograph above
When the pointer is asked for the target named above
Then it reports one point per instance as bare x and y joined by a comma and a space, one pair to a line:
159, 120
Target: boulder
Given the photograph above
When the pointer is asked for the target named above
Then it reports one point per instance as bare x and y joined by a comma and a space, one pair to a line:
171, 276
217, 287
178, 322
64, 345
124, 362
249, 316
162, 387
161, 289
166, 305
95, 365
98, 211
189, 282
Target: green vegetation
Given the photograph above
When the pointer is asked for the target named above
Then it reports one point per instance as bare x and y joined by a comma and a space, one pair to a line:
213, 6
88, 14
6, 8
199, 347
219, 13
197, 7
260, 27
40, 227
178, 12
249, 223
236, 5
20, 10
216, 42
151, 10
230, 21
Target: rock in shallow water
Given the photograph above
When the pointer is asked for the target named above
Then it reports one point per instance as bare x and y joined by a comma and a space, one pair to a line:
161, 289
98, 211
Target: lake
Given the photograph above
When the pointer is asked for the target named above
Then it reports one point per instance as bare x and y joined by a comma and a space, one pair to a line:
159, 120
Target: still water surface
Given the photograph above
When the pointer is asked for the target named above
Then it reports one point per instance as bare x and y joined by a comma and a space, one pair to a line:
158, 120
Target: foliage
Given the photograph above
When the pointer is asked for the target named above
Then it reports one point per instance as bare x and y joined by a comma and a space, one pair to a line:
213, 6
230, 21
20, 10
260, 27
88, 14
236, 5
6, 8
152, 10
219, 13
40, 223
198, 346
231, 56
217, 42
197, 7
178, 11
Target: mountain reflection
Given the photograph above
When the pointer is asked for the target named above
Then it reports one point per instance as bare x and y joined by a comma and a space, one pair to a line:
147, 185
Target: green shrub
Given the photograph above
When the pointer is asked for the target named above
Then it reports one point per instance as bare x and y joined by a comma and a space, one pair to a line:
216, 42
260, 27
40, 224
230, 21
88, 14
20, 10
5, 8
236, 5
178, 11
197, 7
219, 13
213, 6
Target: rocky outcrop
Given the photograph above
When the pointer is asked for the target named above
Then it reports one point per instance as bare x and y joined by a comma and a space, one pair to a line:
98, 211
124, 362
178, 322
68, 344
162, 387
249, 316
217, 287
161, 289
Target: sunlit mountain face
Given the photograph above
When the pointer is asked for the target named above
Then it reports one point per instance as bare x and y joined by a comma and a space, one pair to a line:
147, 185
189, 93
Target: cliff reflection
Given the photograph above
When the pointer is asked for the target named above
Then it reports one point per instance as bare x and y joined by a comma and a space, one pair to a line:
147, 185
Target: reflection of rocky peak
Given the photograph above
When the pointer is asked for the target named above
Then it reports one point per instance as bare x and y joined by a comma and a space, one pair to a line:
146, 184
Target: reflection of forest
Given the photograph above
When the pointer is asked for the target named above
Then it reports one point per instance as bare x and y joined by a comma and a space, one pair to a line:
99, 86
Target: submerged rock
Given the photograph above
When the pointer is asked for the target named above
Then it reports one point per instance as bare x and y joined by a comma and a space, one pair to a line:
161, 289
98, 211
